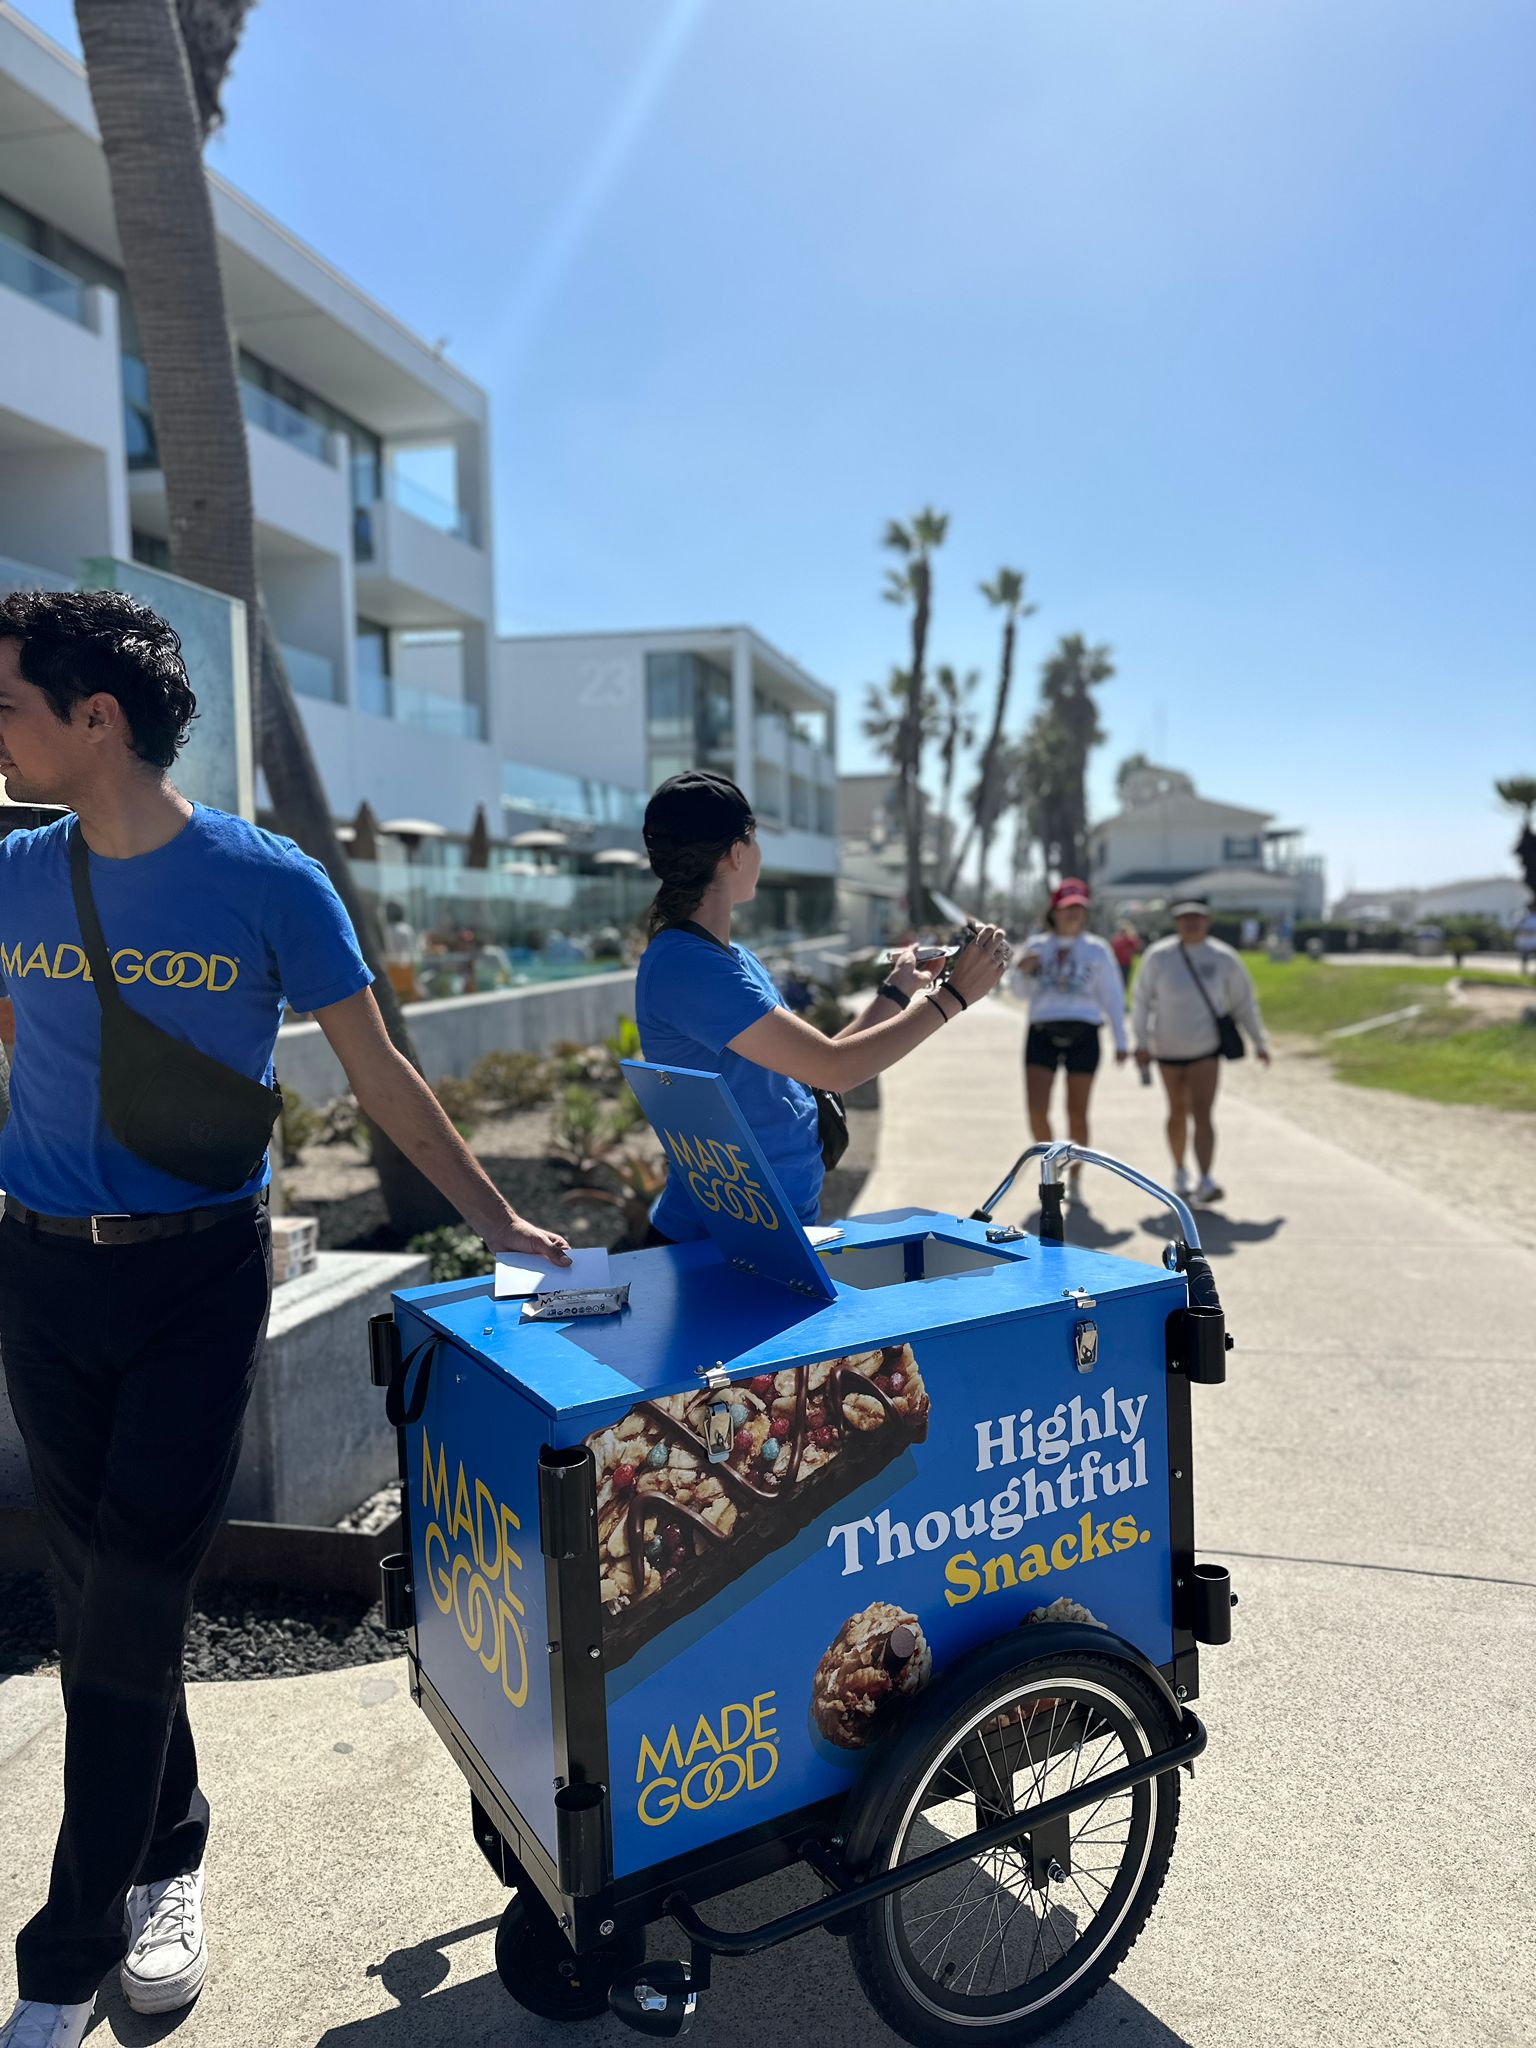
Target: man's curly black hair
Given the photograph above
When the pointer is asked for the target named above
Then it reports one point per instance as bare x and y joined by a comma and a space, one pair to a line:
78, 643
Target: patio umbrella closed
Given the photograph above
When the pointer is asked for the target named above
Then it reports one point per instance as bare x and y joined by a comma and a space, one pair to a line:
365, 827
478, 852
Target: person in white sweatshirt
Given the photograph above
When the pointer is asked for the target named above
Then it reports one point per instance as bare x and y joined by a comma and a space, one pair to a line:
1188, 982
1071, 981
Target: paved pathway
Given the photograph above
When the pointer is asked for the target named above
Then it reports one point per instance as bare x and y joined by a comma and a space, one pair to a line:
1354, 1863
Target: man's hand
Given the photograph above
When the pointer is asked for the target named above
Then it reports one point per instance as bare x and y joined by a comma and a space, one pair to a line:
1121, 1055
1264, 1055
518, 1236
1143, 1057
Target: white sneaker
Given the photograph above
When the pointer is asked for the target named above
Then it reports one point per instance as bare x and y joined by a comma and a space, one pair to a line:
1207, 1191
167, 1959
34, 2025
1182, 1183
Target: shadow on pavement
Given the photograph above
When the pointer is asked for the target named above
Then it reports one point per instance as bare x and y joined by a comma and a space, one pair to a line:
1219, 1235
408, 1974
480, 2014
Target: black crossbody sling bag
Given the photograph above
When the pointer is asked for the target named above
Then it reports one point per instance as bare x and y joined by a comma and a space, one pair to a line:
831, 1112
1229, 1040
171, 1106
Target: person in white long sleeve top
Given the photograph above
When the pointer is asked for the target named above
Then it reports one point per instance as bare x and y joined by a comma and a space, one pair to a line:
1071, 981
1186, 983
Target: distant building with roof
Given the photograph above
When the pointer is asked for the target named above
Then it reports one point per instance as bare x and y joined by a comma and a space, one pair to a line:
1168, 841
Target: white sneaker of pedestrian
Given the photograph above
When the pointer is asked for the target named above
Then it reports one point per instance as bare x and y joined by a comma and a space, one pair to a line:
167, 1957
1181, 1180
33, 2025
1208, 1191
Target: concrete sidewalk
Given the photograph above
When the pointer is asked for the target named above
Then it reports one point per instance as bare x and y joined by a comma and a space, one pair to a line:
1354, 1862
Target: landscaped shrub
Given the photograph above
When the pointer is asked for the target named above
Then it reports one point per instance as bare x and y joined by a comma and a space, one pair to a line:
298, 1124
460, 1103
513, 1080
456, 1253
574, 1130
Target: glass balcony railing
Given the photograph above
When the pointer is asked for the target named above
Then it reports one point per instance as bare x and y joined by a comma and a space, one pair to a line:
36, 278
276, 417
432, 712
428, 507
27, 576
311, 675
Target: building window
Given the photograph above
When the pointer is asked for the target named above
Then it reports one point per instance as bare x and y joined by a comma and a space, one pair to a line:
373, 666
1240, 850
549, 792
690, 715
151, 549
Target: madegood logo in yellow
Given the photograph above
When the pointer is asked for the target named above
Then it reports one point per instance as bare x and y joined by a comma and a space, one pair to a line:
721, 1180
168, 968
470, 1561
738, 1752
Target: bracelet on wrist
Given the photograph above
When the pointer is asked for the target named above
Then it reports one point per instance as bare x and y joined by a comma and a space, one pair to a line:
931, 997
893, 994
950, 990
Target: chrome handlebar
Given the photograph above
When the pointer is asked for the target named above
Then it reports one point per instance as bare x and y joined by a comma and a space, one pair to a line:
1061, 1152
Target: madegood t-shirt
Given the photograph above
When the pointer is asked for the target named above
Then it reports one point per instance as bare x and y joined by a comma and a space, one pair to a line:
208, 934
692, 997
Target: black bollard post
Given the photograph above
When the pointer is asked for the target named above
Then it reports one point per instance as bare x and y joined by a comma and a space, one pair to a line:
1053, 1227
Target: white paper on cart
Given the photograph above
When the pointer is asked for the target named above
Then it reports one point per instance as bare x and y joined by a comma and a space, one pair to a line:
521, 1273
824, 1233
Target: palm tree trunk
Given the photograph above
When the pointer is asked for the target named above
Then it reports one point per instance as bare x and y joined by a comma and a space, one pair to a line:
986, 794
911, 753
152, 136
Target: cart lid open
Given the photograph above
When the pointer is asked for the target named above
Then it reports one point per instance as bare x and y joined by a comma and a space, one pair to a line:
736, 1194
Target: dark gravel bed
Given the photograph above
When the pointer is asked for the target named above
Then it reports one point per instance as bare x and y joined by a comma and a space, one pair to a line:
237, 1631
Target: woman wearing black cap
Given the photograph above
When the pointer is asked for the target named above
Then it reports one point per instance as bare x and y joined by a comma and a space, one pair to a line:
702, 1002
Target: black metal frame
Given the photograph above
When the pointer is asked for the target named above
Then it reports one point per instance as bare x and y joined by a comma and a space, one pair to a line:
848, 1897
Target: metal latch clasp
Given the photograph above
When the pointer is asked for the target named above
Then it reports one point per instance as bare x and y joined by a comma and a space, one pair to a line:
719, 1429
1085, 1345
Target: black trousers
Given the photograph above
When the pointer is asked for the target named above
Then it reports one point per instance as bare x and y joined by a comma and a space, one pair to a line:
129, 1369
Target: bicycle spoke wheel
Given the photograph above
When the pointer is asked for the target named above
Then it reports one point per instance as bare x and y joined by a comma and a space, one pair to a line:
1010, 1939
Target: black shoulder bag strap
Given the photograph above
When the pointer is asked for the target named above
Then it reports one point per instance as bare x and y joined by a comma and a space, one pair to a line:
1229, 1040
108, 994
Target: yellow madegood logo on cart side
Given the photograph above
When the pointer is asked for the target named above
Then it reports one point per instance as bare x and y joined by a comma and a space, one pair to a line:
720, 1179
470, 1561
734, 1751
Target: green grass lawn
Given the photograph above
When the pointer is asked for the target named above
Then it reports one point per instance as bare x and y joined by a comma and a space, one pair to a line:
1436, 1055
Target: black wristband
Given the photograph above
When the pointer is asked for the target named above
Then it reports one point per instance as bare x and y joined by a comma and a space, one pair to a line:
950, 990
893, 994
931, 997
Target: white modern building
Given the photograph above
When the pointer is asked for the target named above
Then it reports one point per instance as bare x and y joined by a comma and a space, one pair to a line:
607, 716
369, 456
1499, 898
1168, 840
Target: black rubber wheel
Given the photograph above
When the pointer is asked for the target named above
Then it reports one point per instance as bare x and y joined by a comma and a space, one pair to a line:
544, 1974
1004, 1946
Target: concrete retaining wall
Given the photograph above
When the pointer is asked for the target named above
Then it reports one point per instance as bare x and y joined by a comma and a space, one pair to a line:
316, 1442
450, 1034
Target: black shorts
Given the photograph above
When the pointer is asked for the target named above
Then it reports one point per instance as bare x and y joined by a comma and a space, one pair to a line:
1074, 1046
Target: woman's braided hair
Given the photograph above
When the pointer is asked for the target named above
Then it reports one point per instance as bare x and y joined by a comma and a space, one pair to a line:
685, 872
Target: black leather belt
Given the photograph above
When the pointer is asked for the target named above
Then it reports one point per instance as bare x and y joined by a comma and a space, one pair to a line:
110, 1230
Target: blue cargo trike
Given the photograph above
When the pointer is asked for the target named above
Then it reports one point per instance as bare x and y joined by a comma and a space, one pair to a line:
874, 1553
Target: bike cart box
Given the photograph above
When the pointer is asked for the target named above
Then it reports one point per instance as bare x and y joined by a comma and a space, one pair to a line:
695, 1587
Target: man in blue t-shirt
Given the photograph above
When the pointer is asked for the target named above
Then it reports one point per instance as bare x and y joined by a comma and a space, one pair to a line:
133, 1303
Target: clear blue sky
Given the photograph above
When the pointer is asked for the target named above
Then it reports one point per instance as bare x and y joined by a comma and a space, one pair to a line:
1216, 316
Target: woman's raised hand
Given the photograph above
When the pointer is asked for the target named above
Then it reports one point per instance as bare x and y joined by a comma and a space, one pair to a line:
978, 969
907, 975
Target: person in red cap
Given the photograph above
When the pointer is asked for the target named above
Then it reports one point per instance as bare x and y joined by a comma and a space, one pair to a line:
1072, 983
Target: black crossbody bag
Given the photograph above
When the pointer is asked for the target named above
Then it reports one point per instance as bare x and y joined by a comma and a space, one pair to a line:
1229, 1040
831, 1112
171, 1106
